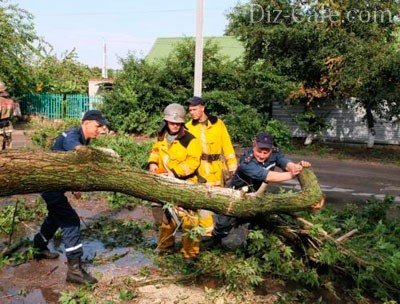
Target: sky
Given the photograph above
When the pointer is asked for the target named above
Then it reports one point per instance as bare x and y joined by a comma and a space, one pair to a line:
124, 25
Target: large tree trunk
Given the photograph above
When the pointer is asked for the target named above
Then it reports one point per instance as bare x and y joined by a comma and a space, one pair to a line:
86, 169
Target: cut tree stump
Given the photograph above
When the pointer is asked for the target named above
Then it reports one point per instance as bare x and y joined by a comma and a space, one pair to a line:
87, 169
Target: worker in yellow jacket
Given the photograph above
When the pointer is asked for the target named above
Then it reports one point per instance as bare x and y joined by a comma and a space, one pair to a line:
218, 155
176, 153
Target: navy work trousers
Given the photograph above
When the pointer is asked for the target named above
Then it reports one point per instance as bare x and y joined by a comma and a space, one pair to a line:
60, 215
223, 224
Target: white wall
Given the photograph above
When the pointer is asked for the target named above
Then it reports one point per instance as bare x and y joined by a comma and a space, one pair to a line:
347, 124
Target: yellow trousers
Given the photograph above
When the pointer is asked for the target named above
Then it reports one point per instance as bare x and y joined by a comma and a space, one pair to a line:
190, 242
206, 221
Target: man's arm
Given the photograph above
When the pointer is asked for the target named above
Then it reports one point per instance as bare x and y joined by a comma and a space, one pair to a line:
258, 172
277, 177
289, 166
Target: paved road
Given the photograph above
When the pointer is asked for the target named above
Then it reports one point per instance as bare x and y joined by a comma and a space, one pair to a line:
341, 180
355, 180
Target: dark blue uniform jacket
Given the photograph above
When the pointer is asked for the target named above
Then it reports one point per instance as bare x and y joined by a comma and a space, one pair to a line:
252, 173
66, 141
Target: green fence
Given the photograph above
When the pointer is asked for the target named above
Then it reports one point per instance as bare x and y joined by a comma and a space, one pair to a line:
56, 106
76, 105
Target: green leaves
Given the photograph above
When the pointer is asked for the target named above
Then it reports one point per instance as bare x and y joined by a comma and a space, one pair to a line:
133, 153
240, 95
26, 211
324, 51
238, 273
281, 133
374, 262
18, 47
64, 75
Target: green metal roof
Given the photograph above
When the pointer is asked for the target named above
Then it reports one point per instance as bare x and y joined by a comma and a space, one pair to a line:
162, 47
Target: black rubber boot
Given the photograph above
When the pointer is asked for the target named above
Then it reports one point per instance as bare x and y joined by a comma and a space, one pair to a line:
76, 274
210, 242
42, 252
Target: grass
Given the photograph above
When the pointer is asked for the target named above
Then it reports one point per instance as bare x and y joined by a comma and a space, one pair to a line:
388, 154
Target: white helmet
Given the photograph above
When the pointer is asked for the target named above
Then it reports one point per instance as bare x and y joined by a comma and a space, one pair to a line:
3, 87
174, 113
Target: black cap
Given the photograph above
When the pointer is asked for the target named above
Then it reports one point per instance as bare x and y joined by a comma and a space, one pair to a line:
264, 141
95, 115
195, 101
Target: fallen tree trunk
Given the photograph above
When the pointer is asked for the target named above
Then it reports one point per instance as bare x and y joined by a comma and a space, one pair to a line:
87, 169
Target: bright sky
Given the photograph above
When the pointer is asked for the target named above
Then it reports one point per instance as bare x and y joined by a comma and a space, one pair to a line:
125, 25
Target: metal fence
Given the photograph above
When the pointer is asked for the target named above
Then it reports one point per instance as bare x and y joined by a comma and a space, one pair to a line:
57, 106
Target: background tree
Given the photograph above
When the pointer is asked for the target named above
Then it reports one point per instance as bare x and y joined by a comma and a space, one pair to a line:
27, 62
232, 91
19, 46
371, 77
311, 44
144, 88
64, 75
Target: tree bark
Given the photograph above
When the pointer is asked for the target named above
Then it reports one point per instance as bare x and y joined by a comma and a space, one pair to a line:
371, 127
87, 169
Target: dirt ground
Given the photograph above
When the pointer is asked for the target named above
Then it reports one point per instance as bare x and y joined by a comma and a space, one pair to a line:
44, 281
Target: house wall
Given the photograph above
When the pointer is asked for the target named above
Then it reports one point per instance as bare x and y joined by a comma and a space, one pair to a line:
347, 124
94, 87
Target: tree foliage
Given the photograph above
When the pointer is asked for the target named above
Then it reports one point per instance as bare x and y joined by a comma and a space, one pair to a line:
372, 77
232, 92
19, 46
28, 63
144, 88
64, 75
328, 49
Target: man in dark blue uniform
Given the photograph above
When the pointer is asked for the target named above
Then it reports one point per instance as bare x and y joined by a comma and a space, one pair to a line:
60, 212
256, 166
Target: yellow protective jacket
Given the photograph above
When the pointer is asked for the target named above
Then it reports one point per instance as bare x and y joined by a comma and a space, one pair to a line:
182, 156
216, 146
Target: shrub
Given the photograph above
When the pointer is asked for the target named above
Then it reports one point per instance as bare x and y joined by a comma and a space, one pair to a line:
143, 89
281, 133
45, 131
312, 123
243, 123
132, 153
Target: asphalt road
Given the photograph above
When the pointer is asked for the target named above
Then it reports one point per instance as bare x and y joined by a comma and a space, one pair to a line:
349, 180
